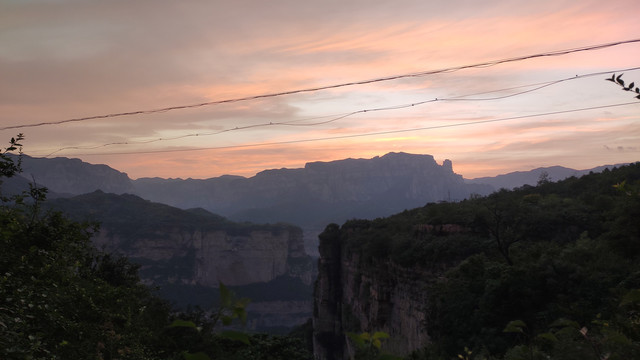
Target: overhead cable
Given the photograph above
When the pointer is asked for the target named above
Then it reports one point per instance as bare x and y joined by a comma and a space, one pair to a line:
334, 118
334, 86
369, 133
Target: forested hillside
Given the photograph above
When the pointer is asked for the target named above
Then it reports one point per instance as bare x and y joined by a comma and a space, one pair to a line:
544, 272
550, 271
61, 298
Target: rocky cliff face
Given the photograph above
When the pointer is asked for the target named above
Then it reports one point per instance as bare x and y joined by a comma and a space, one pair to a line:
190, 247
187, 254
205, 258
350, 296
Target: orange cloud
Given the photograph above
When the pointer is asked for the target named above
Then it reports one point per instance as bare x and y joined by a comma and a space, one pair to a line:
176, 55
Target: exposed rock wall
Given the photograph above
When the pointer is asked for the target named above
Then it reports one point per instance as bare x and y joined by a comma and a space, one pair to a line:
205, 258
328, 337
186, 253
354, 297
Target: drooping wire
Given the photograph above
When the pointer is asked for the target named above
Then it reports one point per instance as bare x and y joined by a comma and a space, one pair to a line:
369, 133
334, 118
334, 86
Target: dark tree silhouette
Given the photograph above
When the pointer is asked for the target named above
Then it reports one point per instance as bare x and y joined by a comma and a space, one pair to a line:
619, 81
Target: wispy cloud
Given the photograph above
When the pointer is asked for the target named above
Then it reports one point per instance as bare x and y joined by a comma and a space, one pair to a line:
68, 59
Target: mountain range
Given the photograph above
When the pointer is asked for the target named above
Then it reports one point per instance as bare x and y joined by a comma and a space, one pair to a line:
256, 233
310, 197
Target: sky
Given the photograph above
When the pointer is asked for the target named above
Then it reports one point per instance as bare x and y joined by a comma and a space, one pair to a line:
298, 76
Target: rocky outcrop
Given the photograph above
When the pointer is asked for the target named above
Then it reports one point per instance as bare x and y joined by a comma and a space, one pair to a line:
351, 296
328, 333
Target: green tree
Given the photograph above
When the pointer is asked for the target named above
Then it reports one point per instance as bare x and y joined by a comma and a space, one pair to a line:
59, 297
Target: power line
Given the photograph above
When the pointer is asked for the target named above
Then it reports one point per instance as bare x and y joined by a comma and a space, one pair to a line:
334, 86
333, 118
370, 133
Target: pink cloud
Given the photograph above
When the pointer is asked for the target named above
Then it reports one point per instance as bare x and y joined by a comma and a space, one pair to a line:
67, 60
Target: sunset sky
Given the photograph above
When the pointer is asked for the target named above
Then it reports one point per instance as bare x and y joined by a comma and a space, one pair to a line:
85, 60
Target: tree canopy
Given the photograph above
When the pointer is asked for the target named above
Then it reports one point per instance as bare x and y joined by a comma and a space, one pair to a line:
557, 261
60, 298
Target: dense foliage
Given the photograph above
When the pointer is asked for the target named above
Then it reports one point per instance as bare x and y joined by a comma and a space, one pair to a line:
550, 271
60, 298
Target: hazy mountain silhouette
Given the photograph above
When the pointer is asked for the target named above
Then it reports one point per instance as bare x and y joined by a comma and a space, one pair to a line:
519, 178
310, 197
319, 193
73, 176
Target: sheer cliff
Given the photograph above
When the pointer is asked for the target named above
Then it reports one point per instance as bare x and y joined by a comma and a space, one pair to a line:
190, 246
352, 295
449, 276
187, 252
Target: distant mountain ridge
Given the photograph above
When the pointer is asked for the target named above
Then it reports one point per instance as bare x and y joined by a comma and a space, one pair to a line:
516, 179
74, 177
192, 249
319, 193
310, 197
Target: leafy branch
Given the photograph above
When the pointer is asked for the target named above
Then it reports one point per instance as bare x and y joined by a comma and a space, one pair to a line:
7, 167
618, 80
369, 346
230, 308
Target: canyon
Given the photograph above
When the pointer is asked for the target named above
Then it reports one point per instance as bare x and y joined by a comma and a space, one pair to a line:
191, 252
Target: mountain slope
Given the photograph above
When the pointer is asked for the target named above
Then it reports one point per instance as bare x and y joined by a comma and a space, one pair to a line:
547, 260
516, 179
73, 176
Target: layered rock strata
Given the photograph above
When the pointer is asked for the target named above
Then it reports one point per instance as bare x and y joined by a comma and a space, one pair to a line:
206, 258
354, 297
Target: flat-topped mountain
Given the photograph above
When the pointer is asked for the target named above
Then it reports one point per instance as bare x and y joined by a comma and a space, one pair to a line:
321, 192
73, 176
